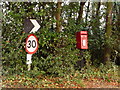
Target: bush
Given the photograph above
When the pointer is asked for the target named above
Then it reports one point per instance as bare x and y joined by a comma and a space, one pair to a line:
57, 53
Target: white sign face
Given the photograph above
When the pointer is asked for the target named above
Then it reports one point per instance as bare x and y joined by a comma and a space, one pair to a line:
31, 44
84, 42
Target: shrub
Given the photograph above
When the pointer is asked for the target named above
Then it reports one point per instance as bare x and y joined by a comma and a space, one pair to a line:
57, 53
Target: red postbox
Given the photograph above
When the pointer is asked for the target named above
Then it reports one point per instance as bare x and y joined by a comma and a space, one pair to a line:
82, 40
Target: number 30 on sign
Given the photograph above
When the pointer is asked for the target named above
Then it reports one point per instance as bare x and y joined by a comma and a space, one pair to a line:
31, 44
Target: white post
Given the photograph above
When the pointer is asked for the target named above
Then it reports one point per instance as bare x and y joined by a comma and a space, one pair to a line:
29, 56
29, 67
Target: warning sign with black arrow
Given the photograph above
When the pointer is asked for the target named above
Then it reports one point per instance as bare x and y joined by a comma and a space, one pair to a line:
31, 25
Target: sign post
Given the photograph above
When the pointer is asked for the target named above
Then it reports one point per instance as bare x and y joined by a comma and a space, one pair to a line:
31, 26
29, 56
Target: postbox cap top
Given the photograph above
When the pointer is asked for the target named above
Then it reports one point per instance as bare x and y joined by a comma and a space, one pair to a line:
83, 32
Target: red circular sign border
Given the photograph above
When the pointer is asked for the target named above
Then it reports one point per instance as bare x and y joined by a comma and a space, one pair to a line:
26, 44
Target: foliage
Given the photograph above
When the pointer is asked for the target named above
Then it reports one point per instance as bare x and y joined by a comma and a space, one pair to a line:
102, 75
57, 54
107, 72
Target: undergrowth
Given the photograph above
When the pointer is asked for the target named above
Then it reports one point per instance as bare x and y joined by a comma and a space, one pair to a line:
109, 72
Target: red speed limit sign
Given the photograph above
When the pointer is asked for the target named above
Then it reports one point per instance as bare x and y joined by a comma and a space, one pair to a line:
31, 44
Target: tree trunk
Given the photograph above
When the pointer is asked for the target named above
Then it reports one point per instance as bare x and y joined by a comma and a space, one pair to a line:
118, 17
97, 22
80, 12
58, 12
97, 14
87, 13
52, 15
107, 49
93, 19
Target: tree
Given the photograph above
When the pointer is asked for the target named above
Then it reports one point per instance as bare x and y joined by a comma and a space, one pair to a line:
80, 12
87, 13
108, 32
97, 15
58, 13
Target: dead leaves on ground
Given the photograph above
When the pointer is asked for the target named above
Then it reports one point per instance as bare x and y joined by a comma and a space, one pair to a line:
56, 82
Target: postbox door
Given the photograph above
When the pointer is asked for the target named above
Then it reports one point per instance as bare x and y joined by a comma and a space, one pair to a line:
84, 42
